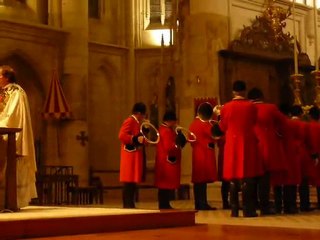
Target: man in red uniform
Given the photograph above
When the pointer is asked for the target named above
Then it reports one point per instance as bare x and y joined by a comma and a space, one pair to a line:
168, 160
314, 134
294, 135
204, 168
269, 129
241, 163
131, 154
307, 167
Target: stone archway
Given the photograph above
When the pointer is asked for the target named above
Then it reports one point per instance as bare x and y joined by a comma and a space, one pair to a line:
104, 100
29, 79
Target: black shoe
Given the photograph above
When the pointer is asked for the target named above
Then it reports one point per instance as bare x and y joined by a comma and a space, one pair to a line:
166, 207
129, 206
234, 213
226, 205
268, 211
250, 214
206, 207
307, 209
292, 210
278, 210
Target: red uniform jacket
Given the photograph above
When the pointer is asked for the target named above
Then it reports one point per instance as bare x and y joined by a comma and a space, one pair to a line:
204, 169
238, 118
168, 160
220, 143
269, 130
131, 162
293, 137
312, 146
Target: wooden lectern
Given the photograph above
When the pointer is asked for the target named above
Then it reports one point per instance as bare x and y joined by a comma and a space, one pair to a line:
11, 171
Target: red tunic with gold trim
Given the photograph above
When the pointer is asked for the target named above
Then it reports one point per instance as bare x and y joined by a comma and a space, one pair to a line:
131, 158
204, 169
168, 160
238, 118
269, 131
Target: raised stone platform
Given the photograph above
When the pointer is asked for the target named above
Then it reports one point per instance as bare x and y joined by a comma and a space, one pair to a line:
56, 221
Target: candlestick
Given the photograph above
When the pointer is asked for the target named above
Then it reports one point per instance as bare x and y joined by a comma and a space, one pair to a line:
316, 34
296, 71
296, 85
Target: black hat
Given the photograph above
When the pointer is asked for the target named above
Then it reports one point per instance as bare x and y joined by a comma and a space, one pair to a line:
205, 111
255, 93
284, 108
296, 110
169, 116
139, 108
239, 86
314, 113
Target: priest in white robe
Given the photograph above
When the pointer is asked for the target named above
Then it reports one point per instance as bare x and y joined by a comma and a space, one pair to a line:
15, 113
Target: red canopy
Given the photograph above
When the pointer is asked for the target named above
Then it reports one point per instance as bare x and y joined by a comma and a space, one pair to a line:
56, 106
197, 101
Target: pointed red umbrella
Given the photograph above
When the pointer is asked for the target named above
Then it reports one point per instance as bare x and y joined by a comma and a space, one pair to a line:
56, 106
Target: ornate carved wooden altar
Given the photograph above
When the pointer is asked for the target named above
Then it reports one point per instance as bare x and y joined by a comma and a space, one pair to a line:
270, 74
262, 56
11, 171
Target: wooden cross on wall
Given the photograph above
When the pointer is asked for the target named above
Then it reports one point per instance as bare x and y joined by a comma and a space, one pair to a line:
83, 138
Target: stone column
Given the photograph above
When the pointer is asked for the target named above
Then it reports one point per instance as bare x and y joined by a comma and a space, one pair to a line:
73, 151
205, 31
130, 38
54, 9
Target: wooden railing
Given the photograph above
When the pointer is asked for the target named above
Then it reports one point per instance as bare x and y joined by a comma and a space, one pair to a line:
182, 193
58, 185
54, 184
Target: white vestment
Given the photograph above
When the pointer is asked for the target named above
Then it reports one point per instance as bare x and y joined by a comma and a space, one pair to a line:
16, 114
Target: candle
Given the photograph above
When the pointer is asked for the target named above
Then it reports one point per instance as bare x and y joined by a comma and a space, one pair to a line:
162, 50
295, 54
316, 34
162, 11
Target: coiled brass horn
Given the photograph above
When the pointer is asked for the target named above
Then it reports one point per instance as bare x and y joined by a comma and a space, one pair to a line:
149, 132
190, 136
217, 109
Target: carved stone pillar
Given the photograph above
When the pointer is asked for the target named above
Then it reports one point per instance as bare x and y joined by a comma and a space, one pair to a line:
55, 14
73, 151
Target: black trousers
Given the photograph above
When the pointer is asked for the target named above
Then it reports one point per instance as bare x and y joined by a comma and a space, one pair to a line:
263, 184
278, 198
225, 189
164, 197
304, 195
234, 197
128, 195
200, 196
318, 196
290, 199
249, 186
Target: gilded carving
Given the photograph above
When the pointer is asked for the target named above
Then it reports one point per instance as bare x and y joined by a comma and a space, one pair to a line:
266, 33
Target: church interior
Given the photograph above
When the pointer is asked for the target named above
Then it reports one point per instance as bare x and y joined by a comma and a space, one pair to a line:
105, 55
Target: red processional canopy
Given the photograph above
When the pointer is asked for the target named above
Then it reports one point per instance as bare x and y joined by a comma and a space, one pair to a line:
197, 101
56, 106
